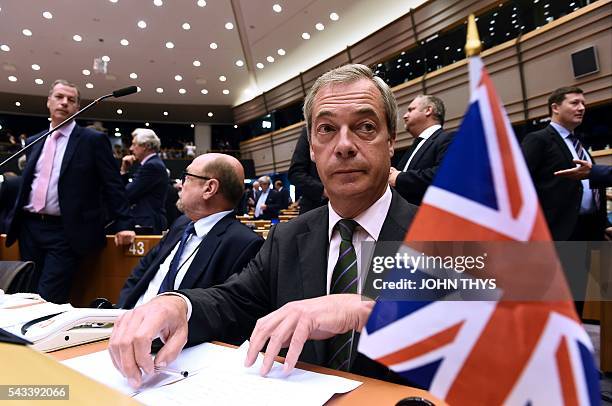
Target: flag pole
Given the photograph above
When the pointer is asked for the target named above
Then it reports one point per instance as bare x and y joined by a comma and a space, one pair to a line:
473, 46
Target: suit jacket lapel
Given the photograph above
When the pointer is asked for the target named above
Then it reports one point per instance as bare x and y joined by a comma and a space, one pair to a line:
560, 142
426, 145
73, 141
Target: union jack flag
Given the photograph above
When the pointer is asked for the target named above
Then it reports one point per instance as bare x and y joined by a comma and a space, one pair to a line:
497, 351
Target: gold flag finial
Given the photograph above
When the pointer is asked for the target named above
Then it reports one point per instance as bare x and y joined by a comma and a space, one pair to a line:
472, 44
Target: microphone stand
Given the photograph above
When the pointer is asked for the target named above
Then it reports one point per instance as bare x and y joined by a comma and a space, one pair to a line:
63, 123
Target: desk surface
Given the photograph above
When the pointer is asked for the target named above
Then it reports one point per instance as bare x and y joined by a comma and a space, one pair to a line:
372, 392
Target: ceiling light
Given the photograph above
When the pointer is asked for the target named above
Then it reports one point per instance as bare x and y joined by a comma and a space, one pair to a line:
17, 104
47, 15
86, 72
225, 91
222, 78
239, 63
182, 91
147, 124
192, 125
305, 35
260, 65
106, 58
210, 114
5, 47
35, 67
133, 75
213, 45
197, 63
119, 111
270, 58
89, 85
165, 113
235, 125
12, 78
124, 42
26, 32
117, 134
159, 90
319, 26
77, 38
281, 52
229, 26
138, 89
204, 91
169, 45
277, 8
113, 1
39, 81
186, 26
201, 3
158, 3
178, 78
142, 24
334, 17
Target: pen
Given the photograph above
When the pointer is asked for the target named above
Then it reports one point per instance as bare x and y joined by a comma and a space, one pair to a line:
171, 371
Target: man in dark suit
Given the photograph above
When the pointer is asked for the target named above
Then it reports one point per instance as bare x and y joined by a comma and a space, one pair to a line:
58, 216
220, 245
297, 288
268, 202
303, 174
417, 168
147, 188
283, 192
574, 211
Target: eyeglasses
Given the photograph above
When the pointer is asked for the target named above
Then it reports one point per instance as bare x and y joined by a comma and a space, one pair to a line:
185, 174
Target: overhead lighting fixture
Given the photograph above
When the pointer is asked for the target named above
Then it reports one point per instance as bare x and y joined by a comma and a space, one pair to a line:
197, 63
240, 63
334, 16
222, 78
201, 3
17, 103
213, 45
305, 35
106, 58
225, 91
119, 111
270, 58
117, 134
142, 24
35, 67
281, 52
210, 114
178, 78
204, 91
186, 26
158, 3
138, 89
26, 32
260, 65
319, 26
89, 85
113, 1
39, 81
277, 8
169, 45
165, 113
229, 26
133, 75
5, 47
124, 42
159, 90
47, 15
235, 125
86, 72
147, 124
12, 78
77, 38
182, 91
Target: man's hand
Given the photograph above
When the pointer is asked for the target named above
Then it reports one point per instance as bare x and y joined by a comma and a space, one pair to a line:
393, 176
125, 237
608, 234
264, 207
130, 344
582, 171
294, 323
126, 163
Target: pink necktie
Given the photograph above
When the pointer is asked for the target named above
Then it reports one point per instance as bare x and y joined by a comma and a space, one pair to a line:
47, 155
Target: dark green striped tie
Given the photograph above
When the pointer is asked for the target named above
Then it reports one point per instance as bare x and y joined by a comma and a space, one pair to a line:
344, 280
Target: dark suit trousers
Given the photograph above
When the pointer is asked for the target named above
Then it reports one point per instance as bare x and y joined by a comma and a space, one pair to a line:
44, 242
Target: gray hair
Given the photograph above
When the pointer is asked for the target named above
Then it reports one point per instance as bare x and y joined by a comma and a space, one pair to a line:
66, 83
349, 74
146, 138
265, 179
437, 106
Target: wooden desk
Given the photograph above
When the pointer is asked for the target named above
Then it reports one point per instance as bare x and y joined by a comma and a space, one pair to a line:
371, 392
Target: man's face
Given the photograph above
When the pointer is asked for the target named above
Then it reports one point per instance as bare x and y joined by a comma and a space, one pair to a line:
62, 103
415, 119
256, 186
139, 151
350, 142
264, 186
570, 112
190, 195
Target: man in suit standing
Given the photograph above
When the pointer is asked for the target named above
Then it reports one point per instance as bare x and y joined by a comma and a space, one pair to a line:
417, 168
574, 211
283, 192
58, 216
216, 244
268, 201
146, 192
302, 289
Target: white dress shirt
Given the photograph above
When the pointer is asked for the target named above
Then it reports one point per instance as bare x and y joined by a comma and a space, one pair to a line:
261, 201
587, 205
52, 206
202, 228
428, 132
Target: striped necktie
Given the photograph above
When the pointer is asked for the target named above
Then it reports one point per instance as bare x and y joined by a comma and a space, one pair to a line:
582, 154
344, 280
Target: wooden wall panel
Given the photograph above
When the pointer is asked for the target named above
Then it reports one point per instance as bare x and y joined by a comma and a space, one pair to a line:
287, 93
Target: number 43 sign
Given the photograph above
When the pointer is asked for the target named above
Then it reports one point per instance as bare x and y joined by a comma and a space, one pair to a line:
138, 248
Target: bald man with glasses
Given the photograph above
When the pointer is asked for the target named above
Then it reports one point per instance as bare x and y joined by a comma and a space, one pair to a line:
204, 246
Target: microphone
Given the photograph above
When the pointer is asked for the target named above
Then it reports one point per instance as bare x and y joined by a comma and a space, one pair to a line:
117, 93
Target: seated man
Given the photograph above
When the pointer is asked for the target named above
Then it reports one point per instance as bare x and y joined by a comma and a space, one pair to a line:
303, 286
206, 245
